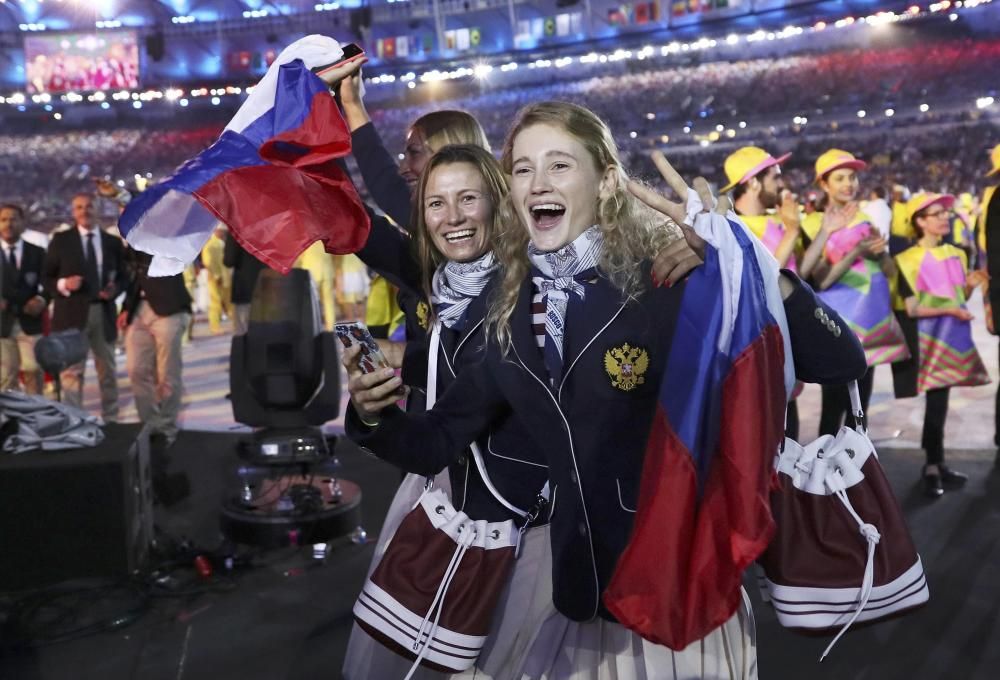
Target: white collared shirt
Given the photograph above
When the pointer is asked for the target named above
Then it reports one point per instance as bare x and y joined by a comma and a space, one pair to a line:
98, 251
18, 252
97, 246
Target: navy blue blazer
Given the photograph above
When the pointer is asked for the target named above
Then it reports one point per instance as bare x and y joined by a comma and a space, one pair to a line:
20, 286
592, 425
380, 172
515, 465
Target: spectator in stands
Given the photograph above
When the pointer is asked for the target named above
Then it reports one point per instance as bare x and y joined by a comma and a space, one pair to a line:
22, 302
84, 272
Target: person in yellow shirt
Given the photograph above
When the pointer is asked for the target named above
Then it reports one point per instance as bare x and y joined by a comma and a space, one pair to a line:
220, 280
352, 286
756, 189
319, 264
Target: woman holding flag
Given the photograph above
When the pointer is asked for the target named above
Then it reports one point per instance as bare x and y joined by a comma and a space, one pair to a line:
852, 268
635, 393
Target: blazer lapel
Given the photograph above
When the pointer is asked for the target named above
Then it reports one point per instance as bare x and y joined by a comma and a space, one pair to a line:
587, 319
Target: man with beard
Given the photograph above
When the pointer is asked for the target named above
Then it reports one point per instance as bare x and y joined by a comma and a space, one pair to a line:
757, 191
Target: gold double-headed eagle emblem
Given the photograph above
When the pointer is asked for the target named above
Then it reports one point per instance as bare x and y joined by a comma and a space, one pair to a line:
626, 366
423, 314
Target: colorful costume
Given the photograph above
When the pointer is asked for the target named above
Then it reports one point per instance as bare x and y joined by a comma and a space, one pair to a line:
770, 231
863, 294
948, 357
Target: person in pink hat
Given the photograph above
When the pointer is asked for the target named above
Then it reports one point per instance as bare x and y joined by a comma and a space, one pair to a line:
849, 263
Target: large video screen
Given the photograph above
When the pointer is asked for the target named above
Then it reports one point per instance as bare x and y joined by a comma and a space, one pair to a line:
81, 62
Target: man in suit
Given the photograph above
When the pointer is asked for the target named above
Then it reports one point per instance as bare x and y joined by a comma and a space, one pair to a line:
246, 268
84, 272
21, 303
156, 315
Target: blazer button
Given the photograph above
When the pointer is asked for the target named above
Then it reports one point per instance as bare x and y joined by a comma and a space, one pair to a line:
831, 324
573, 478
836, 332
819, 313
582, 528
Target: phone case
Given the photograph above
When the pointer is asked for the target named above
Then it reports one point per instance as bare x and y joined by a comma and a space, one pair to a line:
353, 333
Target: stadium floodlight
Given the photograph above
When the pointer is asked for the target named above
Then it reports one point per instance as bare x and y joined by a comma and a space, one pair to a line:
411, 85
57, 115
889, 113
743, 124
862, 113
924, 108
720, 127
984, 102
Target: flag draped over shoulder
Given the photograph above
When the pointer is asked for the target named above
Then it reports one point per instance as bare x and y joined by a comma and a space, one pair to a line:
271, 177
703, 511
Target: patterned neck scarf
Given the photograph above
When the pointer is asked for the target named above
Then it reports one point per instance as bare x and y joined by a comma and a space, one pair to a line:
456, 284
556, 276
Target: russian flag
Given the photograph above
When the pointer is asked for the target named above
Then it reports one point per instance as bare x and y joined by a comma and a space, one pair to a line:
272, 177
703, 513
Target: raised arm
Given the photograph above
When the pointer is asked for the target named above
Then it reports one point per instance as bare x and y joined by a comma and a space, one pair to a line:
378, 168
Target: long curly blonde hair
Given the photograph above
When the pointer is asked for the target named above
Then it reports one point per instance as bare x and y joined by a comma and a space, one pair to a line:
632, 232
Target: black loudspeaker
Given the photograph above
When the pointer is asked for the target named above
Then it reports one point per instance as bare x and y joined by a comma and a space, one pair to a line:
155, 46
76, 514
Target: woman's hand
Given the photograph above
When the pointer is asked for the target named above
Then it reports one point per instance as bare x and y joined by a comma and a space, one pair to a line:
961, 314
370, 392
977, 277
392, 351
875, 246
835, 219
677, 259
336, 73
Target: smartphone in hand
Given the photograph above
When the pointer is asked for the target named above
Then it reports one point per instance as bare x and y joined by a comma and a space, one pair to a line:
350, 52
355, 333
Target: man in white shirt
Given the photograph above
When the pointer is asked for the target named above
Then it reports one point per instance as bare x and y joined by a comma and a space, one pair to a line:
21, 303
84, 272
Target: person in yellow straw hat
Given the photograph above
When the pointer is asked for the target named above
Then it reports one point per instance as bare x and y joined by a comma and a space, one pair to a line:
935, 284
989, 234
850, 263
756, 189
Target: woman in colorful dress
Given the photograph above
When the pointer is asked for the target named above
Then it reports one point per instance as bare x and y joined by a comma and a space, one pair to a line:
850, 264
935, 283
